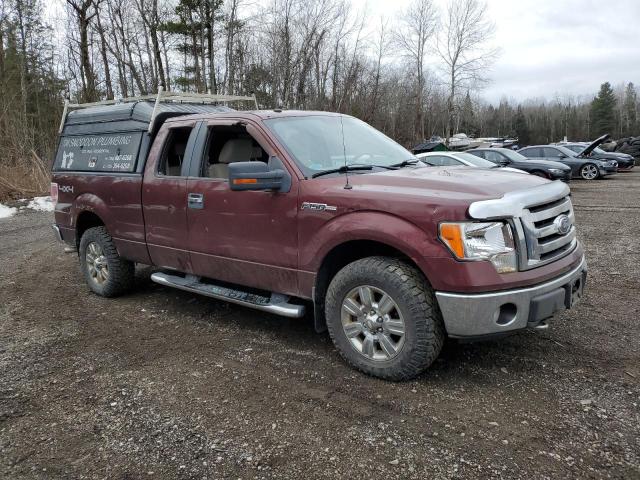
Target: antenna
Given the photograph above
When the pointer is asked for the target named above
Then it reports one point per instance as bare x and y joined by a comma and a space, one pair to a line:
347, 186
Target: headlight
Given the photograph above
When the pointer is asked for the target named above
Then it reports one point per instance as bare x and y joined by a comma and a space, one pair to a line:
491, 241
613, 163
556, 171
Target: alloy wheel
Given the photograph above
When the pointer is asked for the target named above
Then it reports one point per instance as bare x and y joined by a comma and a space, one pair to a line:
589, 172
373, 323
97, 263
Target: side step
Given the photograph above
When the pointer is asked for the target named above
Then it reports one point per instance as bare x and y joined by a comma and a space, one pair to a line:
277, 303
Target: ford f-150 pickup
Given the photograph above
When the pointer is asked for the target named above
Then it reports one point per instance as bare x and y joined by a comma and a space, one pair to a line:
287, 211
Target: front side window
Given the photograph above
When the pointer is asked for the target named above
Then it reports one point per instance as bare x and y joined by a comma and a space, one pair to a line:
229, 144
319, 142
551, 152
532, 152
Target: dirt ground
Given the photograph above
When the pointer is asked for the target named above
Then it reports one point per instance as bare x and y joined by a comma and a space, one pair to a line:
165, 384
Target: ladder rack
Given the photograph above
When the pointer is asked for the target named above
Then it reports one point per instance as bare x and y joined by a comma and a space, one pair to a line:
161, 96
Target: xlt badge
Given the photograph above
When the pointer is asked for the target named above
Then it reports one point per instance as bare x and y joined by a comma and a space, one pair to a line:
318, 207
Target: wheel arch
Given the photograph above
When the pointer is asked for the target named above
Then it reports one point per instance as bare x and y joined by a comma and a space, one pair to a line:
341, 255
85, 220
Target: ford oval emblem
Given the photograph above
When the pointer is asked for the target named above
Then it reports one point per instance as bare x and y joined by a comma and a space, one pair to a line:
563, 224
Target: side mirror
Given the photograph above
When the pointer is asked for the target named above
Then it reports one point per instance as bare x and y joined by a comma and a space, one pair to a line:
562, 155
258, 176
504, 163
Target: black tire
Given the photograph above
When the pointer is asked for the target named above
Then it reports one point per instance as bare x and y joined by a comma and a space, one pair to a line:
415, 303
588, 167
540, 173
119, 274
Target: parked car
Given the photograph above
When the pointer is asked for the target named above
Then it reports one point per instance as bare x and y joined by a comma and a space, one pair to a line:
581, 165
506, 157
283, 210
625, 161
459, 159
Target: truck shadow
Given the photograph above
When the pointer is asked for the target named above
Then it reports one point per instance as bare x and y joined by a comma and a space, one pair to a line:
475, 362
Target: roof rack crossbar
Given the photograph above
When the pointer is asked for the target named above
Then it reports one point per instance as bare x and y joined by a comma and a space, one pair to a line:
161, 96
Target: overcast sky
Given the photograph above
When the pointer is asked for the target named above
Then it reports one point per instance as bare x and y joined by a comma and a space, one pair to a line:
552, 47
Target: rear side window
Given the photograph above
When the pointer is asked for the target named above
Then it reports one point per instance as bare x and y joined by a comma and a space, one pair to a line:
174, 151
112, 152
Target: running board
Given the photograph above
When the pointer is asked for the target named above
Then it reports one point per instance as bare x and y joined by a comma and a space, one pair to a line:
277, 303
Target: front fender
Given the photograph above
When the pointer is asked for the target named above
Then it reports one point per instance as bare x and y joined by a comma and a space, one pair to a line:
380, 227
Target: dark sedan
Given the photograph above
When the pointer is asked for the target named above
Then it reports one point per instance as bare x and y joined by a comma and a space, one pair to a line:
581, 166
625, 161
508, 158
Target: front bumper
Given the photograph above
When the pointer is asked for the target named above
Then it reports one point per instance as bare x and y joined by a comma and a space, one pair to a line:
608, 170
486, 314
564, 177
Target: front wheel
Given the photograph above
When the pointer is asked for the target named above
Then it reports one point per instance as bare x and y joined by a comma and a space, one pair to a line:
383, 318
589, 171
106, 273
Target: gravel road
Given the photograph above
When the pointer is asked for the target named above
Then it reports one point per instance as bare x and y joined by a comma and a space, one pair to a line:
164, 384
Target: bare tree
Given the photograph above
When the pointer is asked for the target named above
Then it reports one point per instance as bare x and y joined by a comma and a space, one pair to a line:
84, 11
417, 27
462, 48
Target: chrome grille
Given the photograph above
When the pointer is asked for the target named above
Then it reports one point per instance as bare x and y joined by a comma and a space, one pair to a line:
545, 234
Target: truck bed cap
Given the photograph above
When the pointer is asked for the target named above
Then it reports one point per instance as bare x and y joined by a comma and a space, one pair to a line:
132, 116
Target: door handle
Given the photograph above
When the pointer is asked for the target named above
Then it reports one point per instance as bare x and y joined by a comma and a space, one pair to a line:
195, 200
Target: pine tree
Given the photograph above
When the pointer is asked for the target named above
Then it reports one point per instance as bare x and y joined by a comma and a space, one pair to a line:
603, 107
629, 111
468, 122
522, 129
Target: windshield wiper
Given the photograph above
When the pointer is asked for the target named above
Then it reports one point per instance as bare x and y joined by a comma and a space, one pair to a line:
343, 169
406, 163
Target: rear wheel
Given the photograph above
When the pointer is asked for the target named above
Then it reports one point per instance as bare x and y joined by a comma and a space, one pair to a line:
106, 273
589, 171
383, 318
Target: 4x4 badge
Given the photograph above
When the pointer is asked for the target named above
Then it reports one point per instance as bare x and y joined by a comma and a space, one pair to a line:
318, 207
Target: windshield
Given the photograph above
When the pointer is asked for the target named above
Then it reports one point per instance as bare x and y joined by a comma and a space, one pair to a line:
473, 160
316, 143
566, 151
511, 155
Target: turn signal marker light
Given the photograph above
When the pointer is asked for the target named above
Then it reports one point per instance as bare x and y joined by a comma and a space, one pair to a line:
244, 181
451, 234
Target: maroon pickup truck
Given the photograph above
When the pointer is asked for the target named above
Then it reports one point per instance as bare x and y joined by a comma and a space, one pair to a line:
283, 210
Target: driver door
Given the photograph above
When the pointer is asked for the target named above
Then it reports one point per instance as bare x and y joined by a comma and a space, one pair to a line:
242, 237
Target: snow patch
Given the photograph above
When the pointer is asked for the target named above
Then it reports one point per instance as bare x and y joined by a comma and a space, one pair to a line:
41, 204
6, 212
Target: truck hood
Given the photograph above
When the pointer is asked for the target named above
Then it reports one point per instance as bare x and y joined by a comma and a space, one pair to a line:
449, 184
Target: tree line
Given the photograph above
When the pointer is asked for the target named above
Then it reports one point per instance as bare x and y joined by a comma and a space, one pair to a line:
411, 76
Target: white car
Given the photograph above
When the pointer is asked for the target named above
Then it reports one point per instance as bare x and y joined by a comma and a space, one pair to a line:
461, 159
